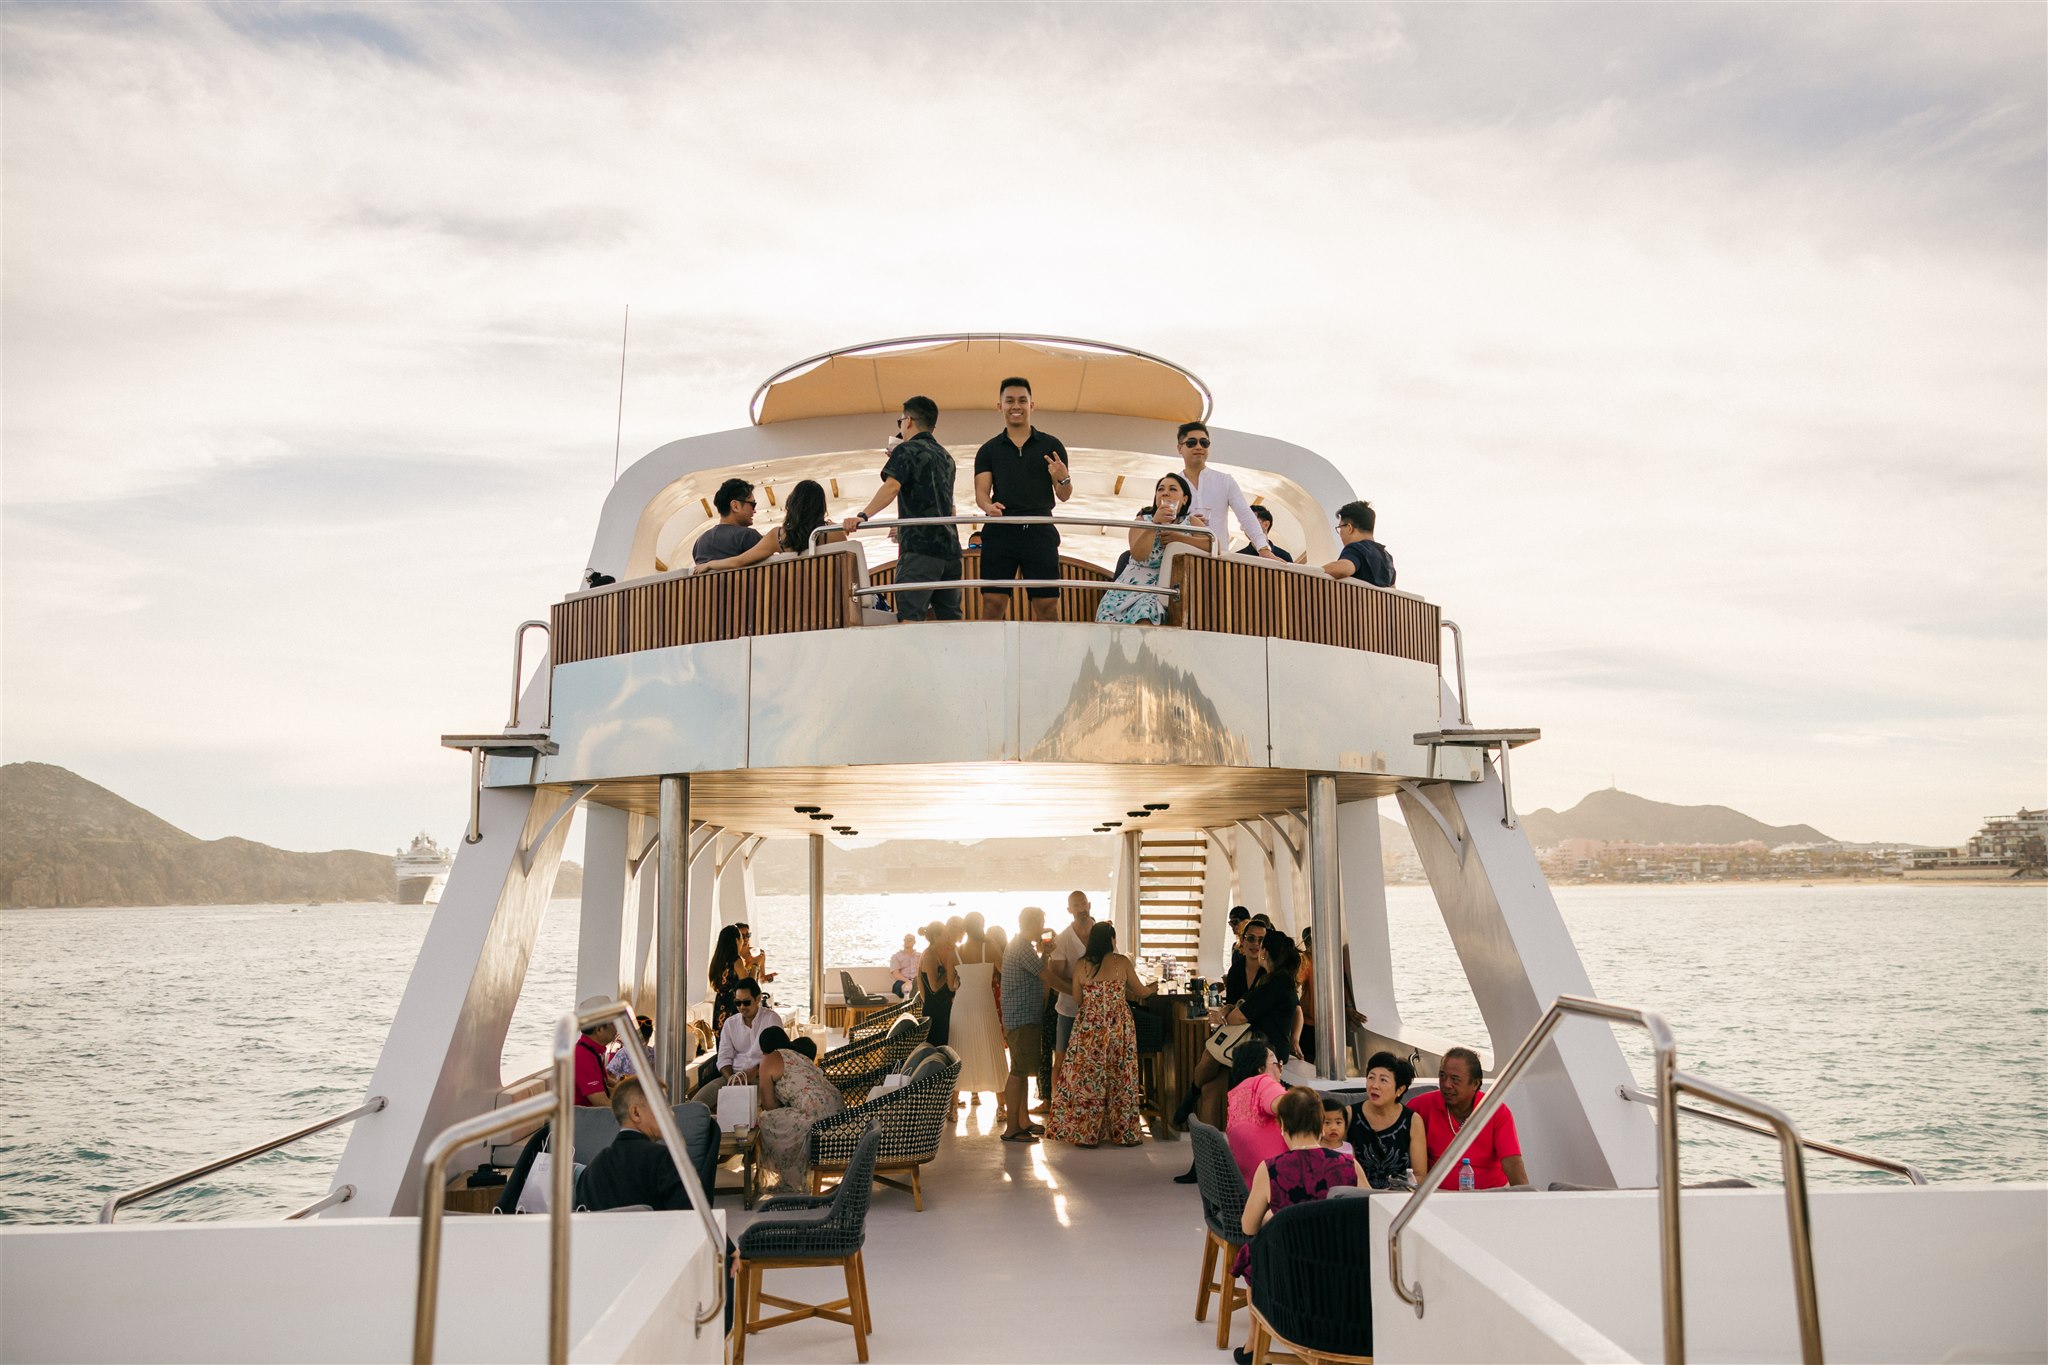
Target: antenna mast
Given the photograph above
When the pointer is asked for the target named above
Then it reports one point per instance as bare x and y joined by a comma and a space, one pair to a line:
619, 428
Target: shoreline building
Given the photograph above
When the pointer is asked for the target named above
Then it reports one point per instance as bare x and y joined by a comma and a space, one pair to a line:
2007, 846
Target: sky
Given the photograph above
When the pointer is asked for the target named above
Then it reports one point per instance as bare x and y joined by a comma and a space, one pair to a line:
1695, 357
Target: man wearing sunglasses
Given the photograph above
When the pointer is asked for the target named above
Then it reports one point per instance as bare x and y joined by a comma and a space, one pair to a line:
1216, 493
734, 533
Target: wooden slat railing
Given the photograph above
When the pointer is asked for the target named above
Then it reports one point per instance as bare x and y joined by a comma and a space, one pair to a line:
1233, 594
1076, 604
1239, 596
810, 592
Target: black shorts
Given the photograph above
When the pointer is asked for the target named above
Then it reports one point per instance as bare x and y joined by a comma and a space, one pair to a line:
1020, 552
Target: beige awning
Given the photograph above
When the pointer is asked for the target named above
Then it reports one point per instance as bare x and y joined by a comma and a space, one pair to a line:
961, 373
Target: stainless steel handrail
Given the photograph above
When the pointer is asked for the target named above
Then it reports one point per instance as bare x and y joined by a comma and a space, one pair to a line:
1904, 1168
1671, 1082
985, 520
557, 1104
1104, 585
116, 1202
519, 674
1458, 651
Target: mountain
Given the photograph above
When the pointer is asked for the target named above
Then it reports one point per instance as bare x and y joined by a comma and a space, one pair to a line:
1617, 815
65, 841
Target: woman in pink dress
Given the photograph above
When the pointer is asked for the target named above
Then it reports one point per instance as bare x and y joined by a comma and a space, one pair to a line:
1097, 1096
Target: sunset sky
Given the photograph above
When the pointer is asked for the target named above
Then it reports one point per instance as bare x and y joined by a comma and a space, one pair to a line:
1695, 357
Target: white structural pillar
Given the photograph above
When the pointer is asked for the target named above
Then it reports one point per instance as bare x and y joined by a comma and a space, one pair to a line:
1361, 871
671, 929
1123, 891
1219, 880
443, 1059
1519, 957
817, 887
606, 883
1326, 916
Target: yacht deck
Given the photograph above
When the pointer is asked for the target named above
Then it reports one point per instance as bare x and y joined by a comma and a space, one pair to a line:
1024, 1252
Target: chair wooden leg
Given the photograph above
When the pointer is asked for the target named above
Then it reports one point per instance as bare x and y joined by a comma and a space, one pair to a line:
1261, 1341
742, 1314
916, 1189
1226, 1288
867, 1308
854, 1312
1208, 1276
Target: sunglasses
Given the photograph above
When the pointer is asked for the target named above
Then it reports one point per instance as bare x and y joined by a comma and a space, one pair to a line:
1201, 441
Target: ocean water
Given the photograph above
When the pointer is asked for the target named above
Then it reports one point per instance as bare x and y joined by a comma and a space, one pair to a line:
1907, 1021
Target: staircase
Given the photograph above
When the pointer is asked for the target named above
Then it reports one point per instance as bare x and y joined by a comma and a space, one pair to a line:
1171, 869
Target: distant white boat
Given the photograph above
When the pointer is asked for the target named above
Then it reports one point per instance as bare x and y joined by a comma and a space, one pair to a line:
422, 870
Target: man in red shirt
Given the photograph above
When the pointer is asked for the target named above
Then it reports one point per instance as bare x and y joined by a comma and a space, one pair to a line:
1497, 1155
592, 1086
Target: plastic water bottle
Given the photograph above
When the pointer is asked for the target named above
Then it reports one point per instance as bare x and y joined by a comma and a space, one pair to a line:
1465, 1180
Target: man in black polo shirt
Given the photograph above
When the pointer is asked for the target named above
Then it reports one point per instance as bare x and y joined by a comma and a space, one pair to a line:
1021, 472
636, 1168
918, 477
1362, 557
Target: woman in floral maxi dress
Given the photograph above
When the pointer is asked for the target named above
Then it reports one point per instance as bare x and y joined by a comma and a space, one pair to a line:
1096, 1098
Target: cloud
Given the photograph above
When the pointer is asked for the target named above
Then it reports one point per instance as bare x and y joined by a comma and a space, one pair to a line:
1694, 355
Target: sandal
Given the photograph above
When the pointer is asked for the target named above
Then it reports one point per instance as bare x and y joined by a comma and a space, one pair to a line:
1021, 1135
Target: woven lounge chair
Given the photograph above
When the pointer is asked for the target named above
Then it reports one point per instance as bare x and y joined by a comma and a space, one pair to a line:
913, 1117
1309, 1268
808, 1230
1223, 1196
881, 1021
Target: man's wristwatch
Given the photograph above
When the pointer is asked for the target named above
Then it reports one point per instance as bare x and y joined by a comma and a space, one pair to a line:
1064, 482
861, 517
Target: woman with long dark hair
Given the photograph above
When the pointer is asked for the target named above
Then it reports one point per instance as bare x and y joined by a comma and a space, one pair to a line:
1170, 499
725, 973
803, 512
1097, 1096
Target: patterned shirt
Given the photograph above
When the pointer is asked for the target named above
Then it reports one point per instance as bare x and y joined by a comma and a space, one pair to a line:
924, 471
1023, 997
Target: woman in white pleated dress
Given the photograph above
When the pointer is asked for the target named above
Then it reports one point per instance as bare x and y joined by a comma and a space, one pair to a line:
977, 1033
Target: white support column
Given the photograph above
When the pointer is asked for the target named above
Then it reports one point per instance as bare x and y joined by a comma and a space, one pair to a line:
1519, 957
1327, 916
817, 890
672, 932
1123, 891
1367, 944
602, 930
1217, 880
646, 889
442, 1060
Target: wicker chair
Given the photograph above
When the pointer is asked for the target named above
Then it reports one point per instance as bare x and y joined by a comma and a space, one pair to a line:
812, 1231
1223, 1195
913, 1117
850, 993
1307, 1268
857, 1068
880, 1022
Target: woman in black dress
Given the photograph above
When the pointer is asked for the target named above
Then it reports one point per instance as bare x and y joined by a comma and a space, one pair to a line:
1386, 1135
725, 974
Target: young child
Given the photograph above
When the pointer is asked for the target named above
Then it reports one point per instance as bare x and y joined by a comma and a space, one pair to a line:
1336, 1118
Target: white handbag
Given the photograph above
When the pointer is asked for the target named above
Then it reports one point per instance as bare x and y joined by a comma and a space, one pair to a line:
533, 1195
738, 1106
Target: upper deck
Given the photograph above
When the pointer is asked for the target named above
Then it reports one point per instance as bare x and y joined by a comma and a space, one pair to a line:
780, 687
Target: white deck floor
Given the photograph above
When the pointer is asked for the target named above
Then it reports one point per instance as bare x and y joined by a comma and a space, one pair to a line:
1035, 1252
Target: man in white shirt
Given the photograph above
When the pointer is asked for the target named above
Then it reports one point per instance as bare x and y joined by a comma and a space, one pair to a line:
739, 1042
1216, 494
1067, 949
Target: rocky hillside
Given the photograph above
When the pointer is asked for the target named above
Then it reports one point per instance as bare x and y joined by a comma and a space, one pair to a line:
1614, 814
65, 841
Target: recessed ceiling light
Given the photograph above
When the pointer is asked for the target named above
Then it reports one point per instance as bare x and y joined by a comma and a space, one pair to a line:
1157, 805
806, 810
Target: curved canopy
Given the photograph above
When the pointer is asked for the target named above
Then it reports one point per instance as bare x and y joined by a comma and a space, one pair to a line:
960, 373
